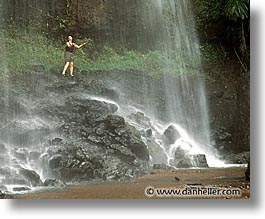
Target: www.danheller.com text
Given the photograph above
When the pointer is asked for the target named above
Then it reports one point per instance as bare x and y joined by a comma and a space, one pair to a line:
191, 191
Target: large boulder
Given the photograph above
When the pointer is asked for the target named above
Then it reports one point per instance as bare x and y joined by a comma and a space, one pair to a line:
180, 153
199, 160
55, 162
31, 176
76, 163
171, 134
184, 160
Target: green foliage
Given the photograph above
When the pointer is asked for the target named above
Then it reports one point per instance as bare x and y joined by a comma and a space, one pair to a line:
237, 9
23, 49
208, 12
238, 12
226, 18
214, 55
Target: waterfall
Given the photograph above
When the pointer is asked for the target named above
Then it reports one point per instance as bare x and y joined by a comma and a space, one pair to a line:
186, 100
170, 26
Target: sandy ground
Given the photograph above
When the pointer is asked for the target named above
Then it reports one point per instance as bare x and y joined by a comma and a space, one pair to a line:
194, 183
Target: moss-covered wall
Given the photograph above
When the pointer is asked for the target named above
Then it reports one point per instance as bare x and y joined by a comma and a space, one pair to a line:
29, 11
110, 22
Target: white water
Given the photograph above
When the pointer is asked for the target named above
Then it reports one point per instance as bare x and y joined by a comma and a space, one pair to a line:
183, 90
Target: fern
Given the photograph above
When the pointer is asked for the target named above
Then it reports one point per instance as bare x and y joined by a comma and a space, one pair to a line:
237, 9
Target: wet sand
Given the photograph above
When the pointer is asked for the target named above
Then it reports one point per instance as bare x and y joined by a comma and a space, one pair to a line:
217, 178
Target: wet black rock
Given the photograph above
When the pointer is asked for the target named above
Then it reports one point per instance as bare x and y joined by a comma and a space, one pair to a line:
54, 183
199, 160
5, 195
76, 163
184, 162
162, 167
171, 134
123, 152
31, 176
85, 141
55, 162
239, 158
180, 153
93, 144
101, 88
140, 150
148, 132
114, 121
21, 189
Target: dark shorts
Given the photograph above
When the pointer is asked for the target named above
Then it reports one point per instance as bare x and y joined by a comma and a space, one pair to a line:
68, 57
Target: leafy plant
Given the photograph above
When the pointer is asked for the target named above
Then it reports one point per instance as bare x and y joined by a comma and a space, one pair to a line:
237, 9
238, 12
22, 49
229, 18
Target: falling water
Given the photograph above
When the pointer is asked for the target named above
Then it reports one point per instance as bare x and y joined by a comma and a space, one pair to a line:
185, 96
170, 26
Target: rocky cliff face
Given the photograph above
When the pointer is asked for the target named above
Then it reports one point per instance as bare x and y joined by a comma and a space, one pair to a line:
228, 97
114, 23
58, 129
